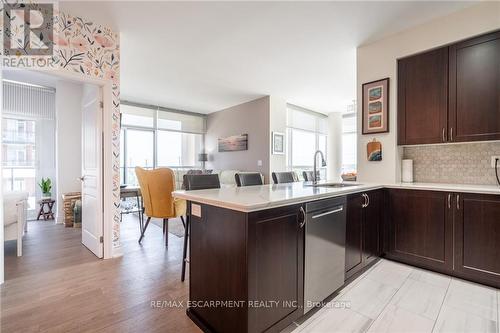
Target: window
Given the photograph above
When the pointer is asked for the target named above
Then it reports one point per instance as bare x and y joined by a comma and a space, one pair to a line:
349, 141
18, 160
28, 139
159, 138
176, 149
306, 133
138, 151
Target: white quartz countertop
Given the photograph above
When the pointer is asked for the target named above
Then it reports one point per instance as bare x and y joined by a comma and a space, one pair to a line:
462, 188
254, 198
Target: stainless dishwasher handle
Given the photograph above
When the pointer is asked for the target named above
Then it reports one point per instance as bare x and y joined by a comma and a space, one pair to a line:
336, 210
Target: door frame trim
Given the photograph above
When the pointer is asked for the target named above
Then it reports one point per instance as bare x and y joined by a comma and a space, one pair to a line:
107, 172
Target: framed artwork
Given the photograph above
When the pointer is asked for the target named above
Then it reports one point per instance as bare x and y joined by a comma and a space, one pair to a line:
233, 143
376, 107
278, 143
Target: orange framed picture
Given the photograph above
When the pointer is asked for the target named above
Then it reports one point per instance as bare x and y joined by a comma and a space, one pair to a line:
376, 107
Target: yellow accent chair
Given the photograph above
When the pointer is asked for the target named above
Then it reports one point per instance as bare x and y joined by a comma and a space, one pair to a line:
156, 188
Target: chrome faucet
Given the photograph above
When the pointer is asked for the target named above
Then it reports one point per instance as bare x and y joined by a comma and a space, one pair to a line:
323, 164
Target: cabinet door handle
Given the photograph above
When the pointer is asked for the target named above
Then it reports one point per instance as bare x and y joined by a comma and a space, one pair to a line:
444, 135
367, 200
336, 210
451, 134
449, 200
364, 197
458, 201
302, 217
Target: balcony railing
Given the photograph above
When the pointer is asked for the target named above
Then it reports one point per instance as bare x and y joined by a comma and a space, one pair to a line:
127, 175
18, 137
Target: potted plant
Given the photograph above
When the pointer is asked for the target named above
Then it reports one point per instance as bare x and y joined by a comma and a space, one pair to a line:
45, 185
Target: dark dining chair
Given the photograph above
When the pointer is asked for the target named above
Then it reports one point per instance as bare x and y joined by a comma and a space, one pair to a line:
195, 182
248, 179
309, 176
285, 177
201, 182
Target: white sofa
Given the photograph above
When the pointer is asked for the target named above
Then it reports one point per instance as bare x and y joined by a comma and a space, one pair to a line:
15, 205
226, 177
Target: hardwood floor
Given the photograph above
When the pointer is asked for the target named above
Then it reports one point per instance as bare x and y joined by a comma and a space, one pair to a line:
60, 286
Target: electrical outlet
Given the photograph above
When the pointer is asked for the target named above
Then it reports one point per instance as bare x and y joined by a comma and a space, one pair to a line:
493, 158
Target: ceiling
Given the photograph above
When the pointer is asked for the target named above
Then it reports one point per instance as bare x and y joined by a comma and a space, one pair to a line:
31, 77
207, 56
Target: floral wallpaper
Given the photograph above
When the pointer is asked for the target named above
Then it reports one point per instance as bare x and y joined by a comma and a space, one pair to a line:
93, 50
80, 46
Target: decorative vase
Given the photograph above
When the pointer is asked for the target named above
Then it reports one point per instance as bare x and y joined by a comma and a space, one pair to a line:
47, 195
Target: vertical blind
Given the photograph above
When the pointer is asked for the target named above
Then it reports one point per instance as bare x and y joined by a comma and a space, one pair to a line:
28, 101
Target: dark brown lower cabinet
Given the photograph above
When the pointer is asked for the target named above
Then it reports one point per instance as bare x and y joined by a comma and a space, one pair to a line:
477, 237
354, 232
363, 244
244, 261
275, 268
372, 224
453, 233
420, 224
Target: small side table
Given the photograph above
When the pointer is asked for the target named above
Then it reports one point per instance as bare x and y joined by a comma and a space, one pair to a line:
47, 214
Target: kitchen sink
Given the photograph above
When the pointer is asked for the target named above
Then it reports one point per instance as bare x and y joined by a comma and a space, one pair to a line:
335, 185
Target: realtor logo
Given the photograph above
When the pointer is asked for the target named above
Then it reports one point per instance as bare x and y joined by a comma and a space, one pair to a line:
28, 29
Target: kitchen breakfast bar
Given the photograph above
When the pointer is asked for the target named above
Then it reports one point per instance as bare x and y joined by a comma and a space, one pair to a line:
260, 257
247, 256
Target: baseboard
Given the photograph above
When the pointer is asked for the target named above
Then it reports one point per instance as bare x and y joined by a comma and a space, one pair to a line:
117, 252
59, 220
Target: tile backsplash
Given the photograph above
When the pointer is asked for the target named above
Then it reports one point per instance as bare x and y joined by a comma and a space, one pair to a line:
468, 163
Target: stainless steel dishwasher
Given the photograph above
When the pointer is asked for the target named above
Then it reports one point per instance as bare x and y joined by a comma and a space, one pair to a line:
324, 265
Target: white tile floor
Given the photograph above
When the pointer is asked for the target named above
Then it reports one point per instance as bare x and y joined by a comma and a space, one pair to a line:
393, 297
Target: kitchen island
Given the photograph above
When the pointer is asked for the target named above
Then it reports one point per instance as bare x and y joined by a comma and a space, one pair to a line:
250, 258
246, 258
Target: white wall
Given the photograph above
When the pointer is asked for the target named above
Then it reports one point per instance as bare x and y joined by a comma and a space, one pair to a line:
68, 140
334, 146
277, 115
378, 60
46, 157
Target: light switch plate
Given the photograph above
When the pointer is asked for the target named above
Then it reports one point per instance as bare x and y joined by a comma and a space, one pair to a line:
493, 161
259, 163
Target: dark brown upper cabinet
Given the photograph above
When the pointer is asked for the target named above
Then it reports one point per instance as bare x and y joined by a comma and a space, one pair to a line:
451, 94
423, 98
474, 94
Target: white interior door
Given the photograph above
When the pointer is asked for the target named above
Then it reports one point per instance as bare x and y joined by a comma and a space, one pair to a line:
92, 159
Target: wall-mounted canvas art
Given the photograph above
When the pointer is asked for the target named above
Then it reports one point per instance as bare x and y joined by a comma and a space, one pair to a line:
376, 107
278, 143
233, 143
374, 151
